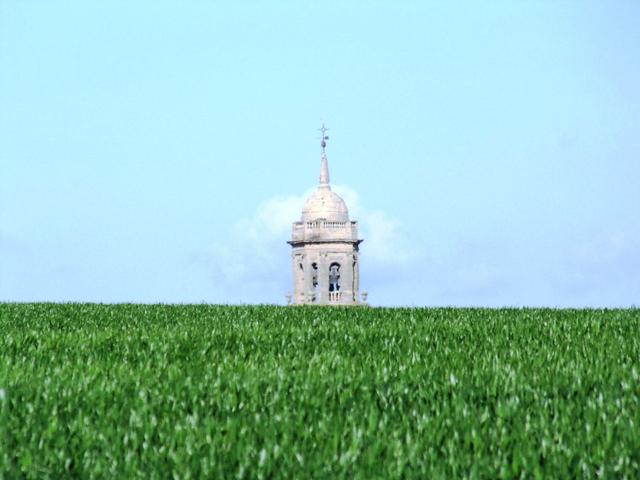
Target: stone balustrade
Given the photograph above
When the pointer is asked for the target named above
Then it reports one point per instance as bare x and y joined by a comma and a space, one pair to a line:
320, 224
321, 230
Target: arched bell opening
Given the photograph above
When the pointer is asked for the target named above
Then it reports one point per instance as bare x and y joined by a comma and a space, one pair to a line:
334, 277
314, 281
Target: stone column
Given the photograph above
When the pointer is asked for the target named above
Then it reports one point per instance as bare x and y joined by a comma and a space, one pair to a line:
346, 278
323, 278
356, 278
308, 278
298, 278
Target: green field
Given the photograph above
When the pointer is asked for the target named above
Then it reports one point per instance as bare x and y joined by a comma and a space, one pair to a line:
137, 391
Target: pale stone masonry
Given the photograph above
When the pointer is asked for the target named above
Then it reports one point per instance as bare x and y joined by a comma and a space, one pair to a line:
325, 256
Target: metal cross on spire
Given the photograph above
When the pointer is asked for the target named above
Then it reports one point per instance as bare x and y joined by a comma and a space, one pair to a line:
325, 137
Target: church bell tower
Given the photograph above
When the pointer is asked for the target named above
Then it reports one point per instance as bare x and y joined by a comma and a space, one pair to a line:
325, 255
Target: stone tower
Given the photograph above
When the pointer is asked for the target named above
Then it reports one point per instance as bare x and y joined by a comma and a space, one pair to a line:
325, 247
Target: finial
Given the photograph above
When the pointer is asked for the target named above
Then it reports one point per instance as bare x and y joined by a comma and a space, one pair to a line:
324, 165
325, 137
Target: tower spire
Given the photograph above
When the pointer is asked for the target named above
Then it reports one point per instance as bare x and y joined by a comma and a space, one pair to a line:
324, 163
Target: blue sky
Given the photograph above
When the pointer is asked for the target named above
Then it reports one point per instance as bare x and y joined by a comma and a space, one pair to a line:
159, 151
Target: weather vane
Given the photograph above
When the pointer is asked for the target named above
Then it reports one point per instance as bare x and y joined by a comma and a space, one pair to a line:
325, 137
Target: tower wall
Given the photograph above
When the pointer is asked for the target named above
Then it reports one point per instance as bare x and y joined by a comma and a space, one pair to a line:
324, 254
